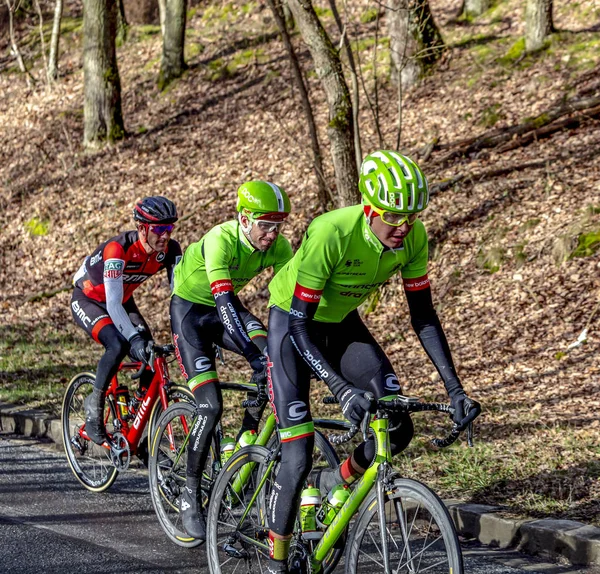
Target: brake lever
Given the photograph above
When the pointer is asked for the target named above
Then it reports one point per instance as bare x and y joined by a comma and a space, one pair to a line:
364, 425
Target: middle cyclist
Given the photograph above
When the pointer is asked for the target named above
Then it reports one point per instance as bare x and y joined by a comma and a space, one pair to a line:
205, 311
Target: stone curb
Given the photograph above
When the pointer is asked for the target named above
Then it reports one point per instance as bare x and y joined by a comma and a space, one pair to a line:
577, 542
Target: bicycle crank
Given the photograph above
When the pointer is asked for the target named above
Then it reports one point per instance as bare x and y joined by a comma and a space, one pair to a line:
120, 453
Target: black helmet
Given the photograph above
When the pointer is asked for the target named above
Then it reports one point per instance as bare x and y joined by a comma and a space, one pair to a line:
155, 209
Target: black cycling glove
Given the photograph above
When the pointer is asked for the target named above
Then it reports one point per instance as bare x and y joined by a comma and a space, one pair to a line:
138, 350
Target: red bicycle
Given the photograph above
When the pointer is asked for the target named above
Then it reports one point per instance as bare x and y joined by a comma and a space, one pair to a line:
127, 417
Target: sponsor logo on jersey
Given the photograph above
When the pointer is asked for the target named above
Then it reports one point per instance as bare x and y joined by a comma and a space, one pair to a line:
306, 294
131, 266
225, 319
391, 382
161, 255
178, 355
297, 410
202, 364
353, 263
296, 313
350, 294
96, 258
113, 265
221, 286
80, 313
135, 278
198, 430
254, 326
100, 318
416, 284
315, 364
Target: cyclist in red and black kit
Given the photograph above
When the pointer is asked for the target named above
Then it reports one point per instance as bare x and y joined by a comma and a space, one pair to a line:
102, 302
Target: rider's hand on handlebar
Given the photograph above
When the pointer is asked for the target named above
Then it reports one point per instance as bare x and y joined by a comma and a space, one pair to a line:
465, 409
139, 350
259, 376
354, 403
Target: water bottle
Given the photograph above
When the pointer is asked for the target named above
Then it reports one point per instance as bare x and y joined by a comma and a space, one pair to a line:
310, 499
227, 446
246, 439
122, 394
134, 402
332, 504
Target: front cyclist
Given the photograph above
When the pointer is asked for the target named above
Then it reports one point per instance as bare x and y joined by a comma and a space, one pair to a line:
314, 324
205, 311
102, 303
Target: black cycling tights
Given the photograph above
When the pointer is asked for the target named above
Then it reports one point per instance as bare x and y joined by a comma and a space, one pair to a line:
353, 352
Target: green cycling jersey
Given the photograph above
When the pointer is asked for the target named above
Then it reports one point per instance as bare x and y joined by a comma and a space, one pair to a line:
342, 257
224, 254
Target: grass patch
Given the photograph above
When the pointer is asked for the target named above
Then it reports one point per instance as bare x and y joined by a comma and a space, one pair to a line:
490, 258
37, 227
146, 32
369, 15
587, 244
32, 367
491, 115
554, 471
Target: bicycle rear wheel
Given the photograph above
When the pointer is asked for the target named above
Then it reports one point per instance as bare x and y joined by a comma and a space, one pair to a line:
419, 534
91, 464
167, 470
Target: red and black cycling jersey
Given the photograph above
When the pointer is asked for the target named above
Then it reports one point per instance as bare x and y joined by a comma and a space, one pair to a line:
131, 262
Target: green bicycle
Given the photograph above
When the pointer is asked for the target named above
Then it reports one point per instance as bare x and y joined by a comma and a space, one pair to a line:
168, 459
401, 526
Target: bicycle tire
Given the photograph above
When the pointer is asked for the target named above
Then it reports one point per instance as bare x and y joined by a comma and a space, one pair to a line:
175, 394
167, 471
411, 506
91, 463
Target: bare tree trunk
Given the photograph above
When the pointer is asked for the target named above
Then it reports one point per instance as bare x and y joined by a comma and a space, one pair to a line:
355, 101
14, 47
340, 128
324, 194
102, 113
53, 58
538, 23
122, 24
415, 41
38, 9
475, 7
172, 21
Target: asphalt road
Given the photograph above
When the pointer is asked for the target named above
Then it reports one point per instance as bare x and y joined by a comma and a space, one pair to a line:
49, 524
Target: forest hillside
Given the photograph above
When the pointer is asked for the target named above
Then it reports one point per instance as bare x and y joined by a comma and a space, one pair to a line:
514, 226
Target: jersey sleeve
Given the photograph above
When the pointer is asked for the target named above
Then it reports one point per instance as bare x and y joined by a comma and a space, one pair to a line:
320, 253
283, 253
114, 264
217, 256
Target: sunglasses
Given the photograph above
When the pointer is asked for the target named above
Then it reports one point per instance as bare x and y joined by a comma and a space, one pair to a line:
268, 226
161, 229
395, 219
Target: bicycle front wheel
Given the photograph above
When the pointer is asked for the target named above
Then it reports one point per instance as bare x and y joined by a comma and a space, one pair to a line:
90, 463
167, 470
237, 531
419, 535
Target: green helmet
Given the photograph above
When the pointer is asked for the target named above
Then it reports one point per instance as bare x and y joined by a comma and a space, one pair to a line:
393, 182
263, 200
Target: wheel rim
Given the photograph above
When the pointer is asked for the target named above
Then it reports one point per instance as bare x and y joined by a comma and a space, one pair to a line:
90, 462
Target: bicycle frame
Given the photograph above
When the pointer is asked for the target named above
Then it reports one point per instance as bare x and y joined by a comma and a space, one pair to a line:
156, 391
360, 491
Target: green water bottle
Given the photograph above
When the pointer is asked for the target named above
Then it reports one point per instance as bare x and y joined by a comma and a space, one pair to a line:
246, 439
332, 504
227, 447
310, 499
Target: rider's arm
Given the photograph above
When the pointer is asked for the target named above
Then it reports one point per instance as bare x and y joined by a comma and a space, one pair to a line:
217, 256
173, 258
114, 263
428, 328
305, 303
320, 254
